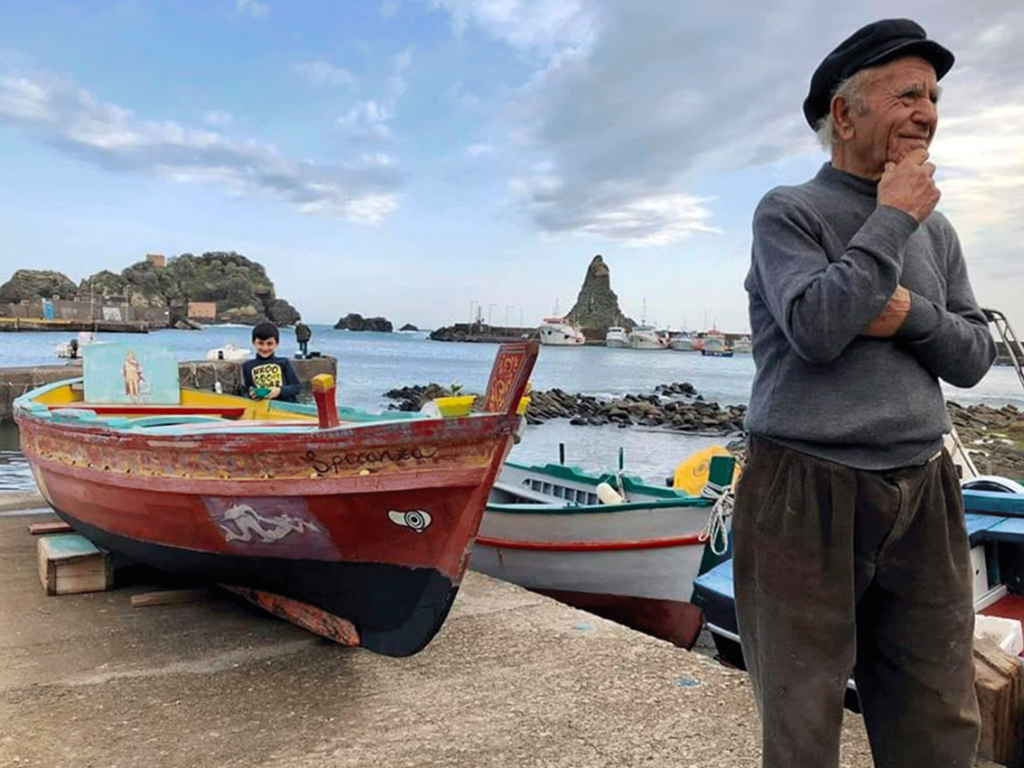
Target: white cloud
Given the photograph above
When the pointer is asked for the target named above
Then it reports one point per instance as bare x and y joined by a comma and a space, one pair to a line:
253, 8
389, 9
524, 23
218, 118
637, 107
56, 111
320, 73
481, 150
368, 120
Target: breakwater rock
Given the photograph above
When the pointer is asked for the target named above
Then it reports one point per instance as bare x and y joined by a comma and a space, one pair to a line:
674, 406
994, 437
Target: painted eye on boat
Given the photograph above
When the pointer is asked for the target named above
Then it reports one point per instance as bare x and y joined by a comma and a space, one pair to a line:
416, 519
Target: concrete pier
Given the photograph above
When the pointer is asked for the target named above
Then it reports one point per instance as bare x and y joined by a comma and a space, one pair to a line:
200, 374
513, 680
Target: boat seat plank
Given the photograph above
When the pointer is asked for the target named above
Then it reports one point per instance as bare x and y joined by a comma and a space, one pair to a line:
718, 579
1007, 529
1007, 504
227, 412
979, 524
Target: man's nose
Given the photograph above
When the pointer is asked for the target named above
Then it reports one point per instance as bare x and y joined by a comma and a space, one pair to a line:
927, 114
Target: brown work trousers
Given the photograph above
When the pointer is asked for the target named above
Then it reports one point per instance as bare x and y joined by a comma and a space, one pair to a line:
839, 570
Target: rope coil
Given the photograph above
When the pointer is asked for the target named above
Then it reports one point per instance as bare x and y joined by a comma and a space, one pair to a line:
716, 530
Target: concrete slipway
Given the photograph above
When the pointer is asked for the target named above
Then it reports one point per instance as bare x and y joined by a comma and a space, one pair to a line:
513, 680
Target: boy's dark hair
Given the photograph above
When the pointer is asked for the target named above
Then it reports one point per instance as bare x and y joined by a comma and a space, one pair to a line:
265, 331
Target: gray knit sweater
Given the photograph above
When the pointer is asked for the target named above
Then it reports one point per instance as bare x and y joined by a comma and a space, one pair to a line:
825, 260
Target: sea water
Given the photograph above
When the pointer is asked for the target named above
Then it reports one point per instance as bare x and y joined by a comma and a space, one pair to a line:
370, 364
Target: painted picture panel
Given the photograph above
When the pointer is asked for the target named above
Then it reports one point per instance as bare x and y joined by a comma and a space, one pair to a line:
124, 373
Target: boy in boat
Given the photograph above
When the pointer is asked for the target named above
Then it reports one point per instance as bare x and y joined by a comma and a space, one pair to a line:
266, 375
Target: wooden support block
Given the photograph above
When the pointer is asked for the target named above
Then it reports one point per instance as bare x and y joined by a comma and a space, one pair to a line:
170, 597
1000, 688
69, 564
57, 526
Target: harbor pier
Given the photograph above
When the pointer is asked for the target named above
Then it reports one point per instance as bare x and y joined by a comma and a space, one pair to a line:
513, 679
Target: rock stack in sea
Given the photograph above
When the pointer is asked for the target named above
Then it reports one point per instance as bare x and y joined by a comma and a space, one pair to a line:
597, 307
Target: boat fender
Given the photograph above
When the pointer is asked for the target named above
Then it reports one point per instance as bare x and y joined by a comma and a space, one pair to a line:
607, 494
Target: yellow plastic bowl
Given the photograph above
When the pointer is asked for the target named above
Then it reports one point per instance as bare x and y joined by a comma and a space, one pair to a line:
455, 406
524, 403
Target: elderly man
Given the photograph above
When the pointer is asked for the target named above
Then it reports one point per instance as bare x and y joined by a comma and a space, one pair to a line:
851, 548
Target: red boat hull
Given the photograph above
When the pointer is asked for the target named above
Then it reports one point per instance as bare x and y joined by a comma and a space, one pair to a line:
361, 533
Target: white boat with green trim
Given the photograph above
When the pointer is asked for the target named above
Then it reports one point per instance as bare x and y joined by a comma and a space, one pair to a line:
607, 543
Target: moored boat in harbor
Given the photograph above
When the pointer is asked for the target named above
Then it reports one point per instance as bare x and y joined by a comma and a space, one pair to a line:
647, 337
609, 544
355, 526
559, 332
616, 337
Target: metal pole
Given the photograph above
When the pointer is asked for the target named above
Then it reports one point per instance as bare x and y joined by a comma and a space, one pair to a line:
561, 453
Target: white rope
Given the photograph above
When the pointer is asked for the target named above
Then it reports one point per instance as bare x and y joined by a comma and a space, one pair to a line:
716, 530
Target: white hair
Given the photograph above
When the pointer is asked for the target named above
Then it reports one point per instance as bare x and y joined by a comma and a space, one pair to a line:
852, 89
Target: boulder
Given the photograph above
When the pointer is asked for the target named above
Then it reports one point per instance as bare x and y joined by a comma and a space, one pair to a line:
353, 321
408, 327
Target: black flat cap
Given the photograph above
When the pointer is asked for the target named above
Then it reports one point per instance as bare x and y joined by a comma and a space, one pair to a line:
870, 46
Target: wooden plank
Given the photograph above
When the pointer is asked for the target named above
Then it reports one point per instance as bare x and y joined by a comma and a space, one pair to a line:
57, 526
70, 564
1000, 688
170, 597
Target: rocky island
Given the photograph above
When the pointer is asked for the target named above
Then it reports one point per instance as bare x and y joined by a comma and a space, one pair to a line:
216, 287
353, 321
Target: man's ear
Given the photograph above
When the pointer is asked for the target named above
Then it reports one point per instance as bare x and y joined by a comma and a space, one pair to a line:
842, 118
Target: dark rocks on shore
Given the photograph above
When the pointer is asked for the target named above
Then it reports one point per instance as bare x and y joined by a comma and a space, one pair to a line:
408, 327
994, 437
353, 321
673, 406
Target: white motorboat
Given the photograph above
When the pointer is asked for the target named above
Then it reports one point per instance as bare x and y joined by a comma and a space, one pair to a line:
557, 332
682, 342
743, 345
616, 337
228, 352
73, 349
646, 337
715, 345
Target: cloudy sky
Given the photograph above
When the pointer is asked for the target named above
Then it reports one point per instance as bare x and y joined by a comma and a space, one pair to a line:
419, 158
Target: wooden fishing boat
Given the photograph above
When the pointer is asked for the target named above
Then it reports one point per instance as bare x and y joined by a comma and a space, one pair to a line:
608, 544
357, 527
995, 526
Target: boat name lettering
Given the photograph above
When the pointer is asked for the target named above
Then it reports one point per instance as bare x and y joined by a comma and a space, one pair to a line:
336, 461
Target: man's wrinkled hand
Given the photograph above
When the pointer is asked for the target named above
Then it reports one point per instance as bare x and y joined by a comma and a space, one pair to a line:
892, 316
908, 185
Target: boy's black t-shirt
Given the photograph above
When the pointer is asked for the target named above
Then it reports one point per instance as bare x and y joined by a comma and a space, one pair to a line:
271, 372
